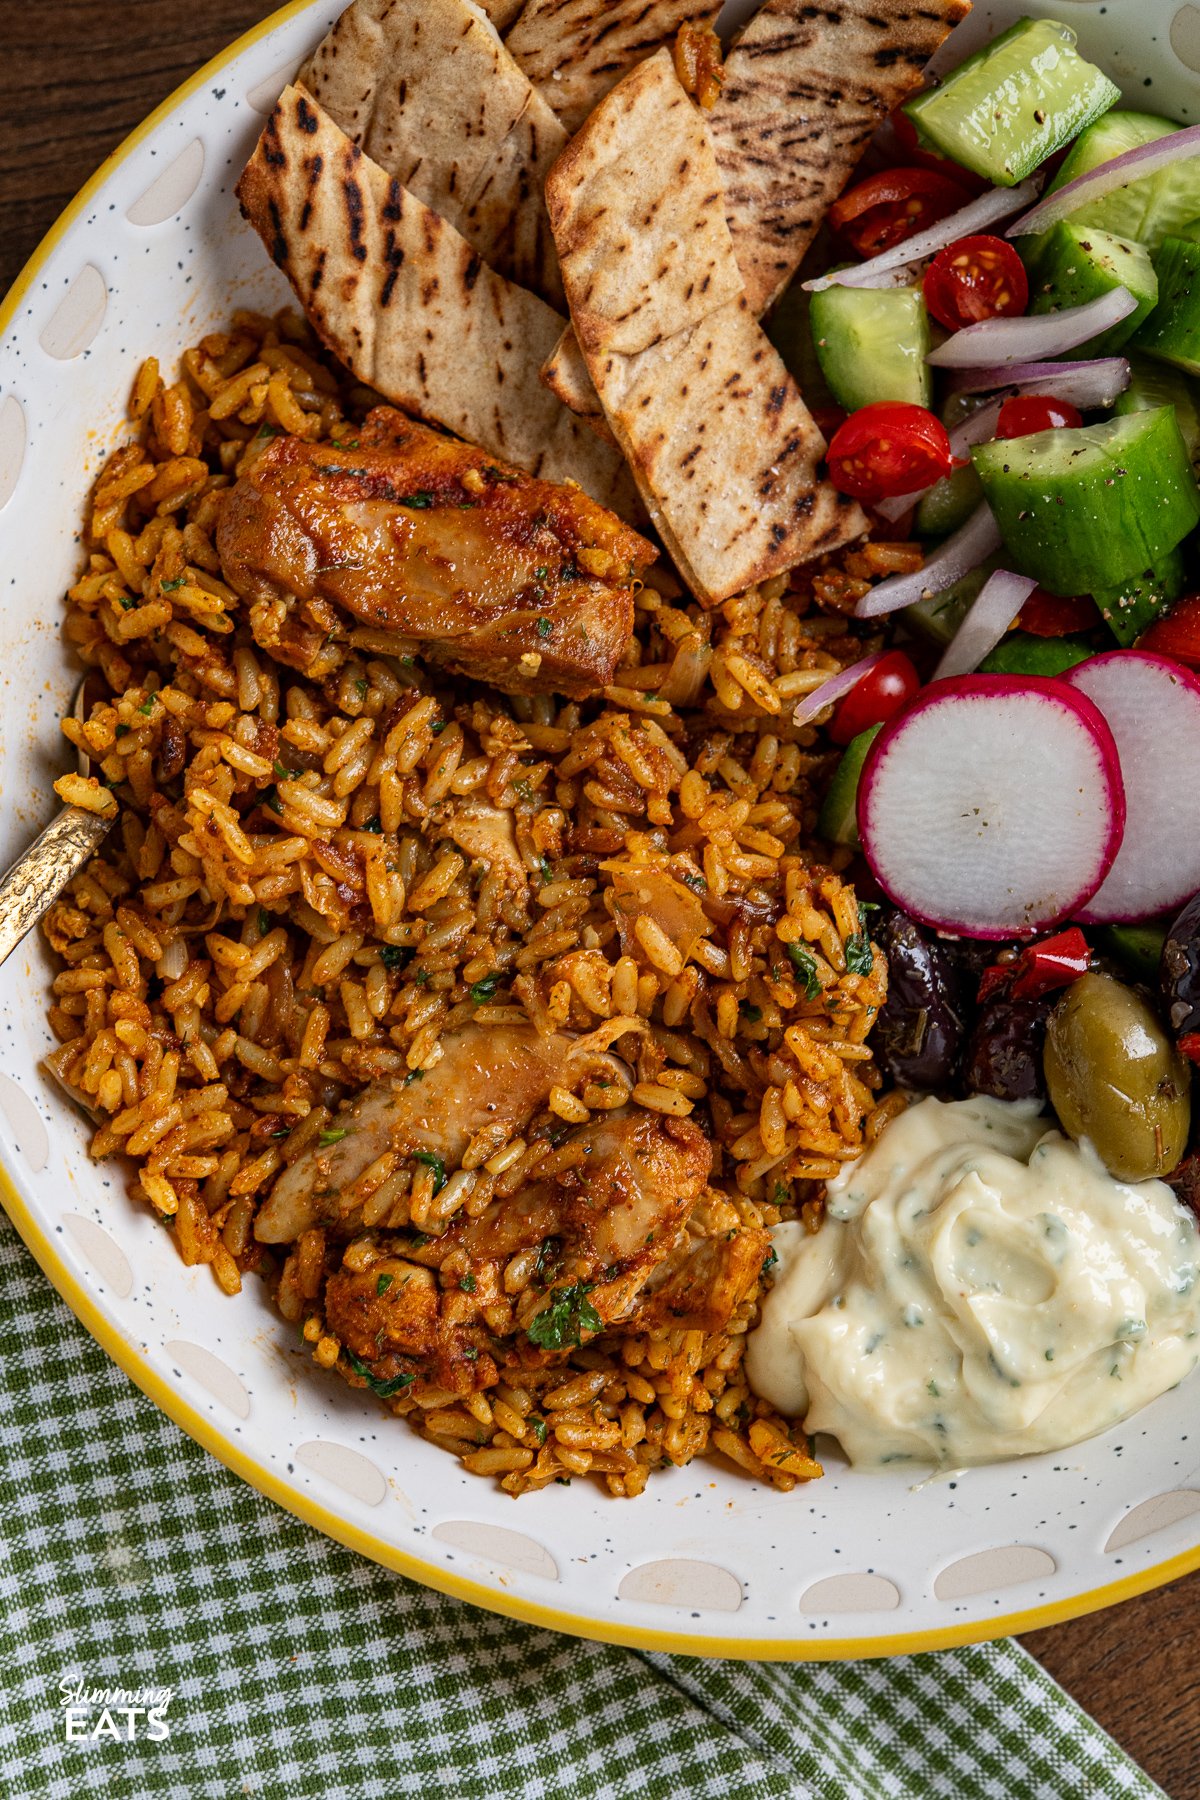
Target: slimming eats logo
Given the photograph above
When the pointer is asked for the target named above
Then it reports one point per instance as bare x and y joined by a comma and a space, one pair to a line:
115, 1715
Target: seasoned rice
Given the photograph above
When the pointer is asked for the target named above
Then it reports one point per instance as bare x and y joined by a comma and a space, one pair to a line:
279, 917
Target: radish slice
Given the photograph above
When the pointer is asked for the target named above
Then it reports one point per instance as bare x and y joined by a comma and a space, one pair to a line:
961, 552
1117, 172
998, 203
833, 689
1018, 340
1152, 707
992, 611
1095, 382
992, 806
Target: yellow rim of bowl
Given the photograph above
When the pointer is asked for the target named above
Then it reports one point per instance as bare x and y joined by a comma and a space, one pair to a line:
140, 1370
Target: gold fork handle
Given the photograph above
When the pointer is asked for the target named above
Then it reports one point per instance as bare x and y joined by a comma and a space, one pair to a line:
29, 888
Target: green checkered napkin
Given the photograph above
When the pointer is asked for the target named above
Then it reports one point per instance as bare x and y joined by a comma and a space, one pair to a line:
132, 1558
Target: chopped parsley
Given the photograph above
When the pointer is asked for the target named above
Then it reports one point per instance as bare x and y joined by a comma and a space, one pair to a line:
538, 1427
544, 627
545, 871
390, 955
285, 774
523, 791
122, 731
421, 499
694, 880
860, 958
374, 823
361, 687
569, 1314
169, 587
483, 989
385, 1389
780, 1193
333, 1136
128, 602
421, 977
147, 706
264, 921
541, 574
467, 1283
772, 1258
384, 1283
271, 799
751, 1013
805, 963
414, 1075
433, 1161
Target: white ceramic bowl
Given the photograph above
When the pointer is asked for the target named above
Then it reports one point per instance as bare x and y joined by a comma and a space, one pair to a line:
151, 254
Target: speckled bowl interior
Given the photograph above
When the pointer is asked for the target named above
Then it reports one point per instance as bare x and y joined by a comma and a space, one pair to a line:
705, 1560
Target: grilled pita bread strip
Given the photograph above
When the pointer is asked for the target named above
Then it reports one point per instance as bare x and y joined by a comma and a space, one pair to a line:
428, 91
723, 449
575, 50
403, 300
803, 93
805, 89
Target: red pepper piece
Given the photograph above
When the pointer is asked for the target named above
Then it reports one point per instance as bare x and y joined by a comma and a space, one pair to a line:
1054, 963
1189, 1046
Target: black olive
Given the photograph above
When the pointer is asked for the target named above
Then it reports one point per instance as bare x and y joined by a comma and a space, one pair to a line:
1179, 974
1004, 1056
921, 1028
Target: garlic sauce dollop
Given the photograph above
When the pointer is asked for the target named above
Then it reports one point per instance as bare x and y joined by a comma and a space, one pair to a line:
980, 1288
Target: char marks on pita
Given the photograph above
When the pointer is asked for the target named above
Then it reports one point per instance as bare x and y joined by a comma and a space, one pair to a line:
574, 51
805, 88
405, 302
723, 449
428, 91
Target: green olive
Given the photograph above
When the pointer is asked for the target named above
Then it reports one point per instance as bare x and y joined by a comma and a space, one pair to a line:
1114, 1078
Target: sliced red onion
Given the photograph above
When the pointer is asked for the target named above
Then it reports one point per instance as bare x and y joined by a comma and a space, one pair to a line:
978, 427
963, 551
834, 689
1095, 382
996, 204
995, 341
1117, 172
993, 610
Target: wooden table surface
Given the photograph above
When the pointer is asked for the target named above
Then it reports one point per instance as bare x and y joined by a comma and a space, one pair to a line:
75, 77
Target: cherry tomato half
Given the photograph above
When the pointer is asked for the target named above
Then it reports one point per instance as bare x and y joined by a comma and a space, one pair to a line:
977, 278
1024, 414
913, 151
888, 448
885, 209
887, 686
1177, 633
1057, 615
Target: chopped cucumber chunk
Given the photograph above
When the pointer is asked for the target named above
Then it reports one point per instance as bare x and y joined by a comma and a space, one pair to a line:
872, 343
837, 821
949, 503
1013, 103
1172, 332
1136, 602
1082, 509
1079, 263
939, 616
1153, 384
1146, 210
790, 330
1020, 653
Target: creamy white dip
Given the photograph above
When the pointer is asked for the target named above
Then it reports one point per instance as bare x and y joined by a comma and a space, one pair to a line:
981, 1288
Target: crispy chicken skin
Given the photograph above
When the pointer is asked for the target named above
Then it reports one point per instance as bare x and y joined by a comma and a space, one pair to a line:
604, 1226
522, 583
487, 1075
